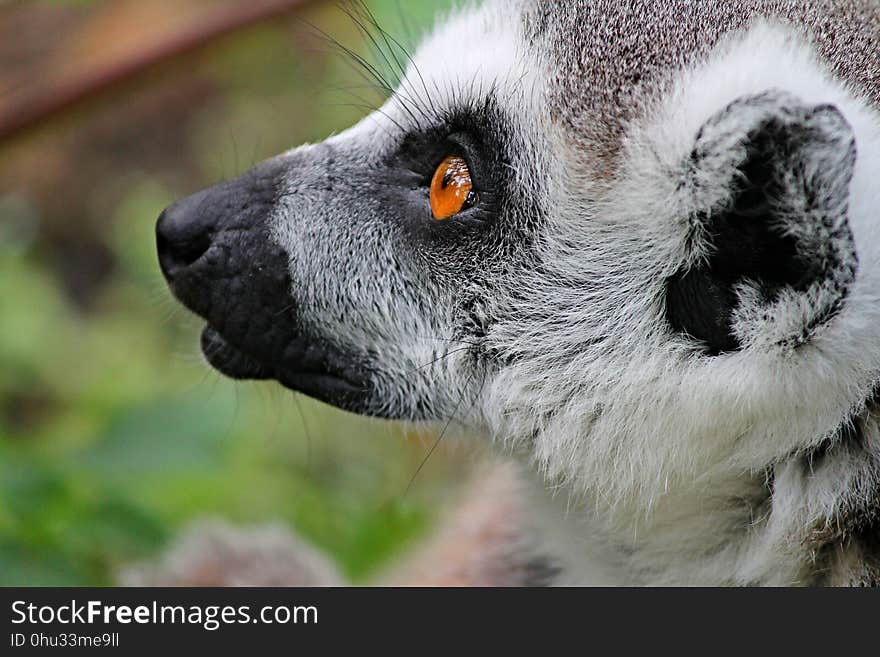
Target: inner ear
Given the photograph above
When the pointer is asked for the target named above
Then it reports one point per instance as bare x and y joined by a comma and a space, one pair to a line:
780, 226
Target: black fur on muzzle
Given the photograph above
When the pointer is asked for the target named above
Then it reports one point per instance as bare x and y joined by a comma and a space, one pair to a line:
220, 260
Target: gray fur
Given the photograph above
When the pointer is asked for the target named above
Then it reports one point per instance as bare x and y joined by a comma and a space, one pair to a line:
616, 57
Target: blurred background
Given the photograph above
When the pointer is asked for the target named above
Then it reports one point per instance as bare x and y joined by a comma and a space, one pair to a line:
113, 433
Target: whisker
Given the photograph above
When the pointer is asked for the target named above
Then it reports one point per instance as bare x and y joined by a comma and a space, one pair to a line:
445, 428
306, 431
389, 39
451, 340
437, 360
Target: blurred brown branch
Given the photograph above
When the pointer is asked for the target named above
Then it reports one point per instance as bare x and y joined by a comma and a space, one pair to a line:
154, 42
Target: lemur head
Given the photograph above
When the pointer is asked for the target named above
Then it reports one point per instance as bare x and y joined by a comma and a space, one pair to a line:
636, 241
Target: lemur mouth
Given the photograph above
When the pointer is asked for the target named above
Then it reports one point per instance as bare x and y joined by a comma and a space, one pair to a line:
229, 360
307, 366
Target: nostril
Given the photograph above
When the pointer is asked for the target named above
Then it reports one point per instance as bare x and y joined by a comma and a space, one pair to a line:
180, 241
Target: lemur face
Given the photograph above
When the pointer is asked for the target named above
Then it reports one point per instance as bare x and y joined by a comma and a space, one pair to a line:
642, 265
357, 270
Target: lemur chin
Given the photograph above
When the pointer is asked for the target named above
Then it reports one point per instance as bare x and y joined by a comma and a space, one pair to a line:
635, 245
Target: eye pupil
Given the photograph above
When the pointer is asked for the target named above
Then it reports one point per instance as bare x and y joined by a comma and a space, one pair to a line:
451, 188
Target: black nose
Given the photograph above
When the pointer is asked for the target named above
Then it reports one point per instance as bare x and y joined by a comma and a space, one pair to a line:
221, 214
184, 233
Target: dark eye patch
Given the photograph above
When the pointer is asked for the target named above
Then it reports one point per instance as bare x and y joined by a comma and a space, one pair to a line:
467, 134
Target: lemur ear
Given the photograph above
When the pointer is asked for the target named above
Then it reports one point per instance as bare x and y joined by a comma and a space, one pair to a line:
770, 256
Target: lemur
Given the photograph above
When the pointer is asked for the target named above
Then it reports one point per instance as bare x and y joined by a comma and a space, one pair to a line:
634, 244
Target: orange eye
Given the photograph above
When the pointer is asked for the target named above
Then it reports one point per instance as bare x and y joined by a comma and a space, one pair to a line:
451, 188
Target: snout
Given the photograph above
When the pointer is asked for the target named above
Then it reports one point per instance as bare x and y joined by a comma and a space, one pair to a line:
217, 251
234, 211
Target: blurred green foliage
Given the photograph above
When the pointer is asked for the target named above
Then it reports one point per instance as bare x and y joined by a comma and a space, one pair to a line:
113, 433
